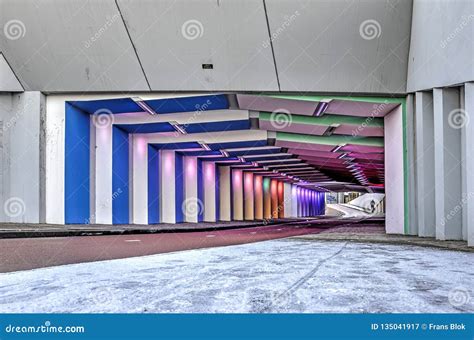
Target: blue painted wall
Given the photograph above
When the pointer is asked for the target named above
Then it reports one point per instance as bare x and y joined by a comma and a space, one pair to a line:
77, 166
153, 185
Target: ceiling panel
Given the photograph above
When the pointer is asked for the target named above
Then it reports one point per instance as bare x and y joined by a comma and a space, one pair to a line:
175, 38
341, 46
71, 45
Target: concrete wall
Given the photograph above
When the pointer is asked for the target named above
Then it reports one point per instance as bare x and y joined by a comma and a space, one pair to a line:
441, 47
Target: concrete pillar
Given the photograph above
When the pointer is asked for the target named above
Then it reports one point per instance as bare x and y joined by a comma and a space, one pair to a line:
225, 199
101, 171
249, 211
209, 188
139, 180
425, 177
22, 159
274, 197
281, 200
411, 162
394, 171
258, 191
287, 200
294, 200
192, 206
168, 186
448, 191
237, 195
468, 194
267, 199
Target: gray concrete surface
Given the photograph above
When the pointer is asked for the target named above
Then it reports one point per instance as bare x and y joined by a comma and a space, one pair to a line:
273, 276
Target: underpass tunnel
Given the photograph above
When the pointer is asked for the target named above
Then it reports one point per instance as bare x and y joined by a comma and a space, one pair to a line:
219, 157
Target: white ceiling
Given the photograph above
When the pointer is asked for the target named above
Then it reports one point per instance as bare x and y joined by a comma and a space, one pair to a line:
139, 45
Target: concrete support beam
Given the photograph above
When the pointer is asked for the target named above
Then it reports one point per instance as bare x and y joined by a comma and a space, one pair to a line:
468, 157
294, 201
258, 190
139, 181
287, 200
209, 188
411, 158
281, 200
425, 176
167, 186
225, 199
448, 191
249, 211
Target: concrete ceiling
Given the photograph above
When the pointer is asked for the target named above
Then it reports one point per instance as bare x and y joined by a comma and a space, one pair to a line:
144, 45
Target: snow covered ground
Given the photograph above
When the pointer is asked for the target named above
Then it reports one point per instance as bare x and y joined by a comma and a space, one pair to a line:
273, 276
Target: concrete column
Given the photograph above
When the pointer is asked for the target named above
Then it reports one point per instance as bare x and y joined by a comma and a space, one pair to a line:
237, 195
192, 205
468, 194
209, 188
448, 191
411, 176
168, 186
281, 199
225, 199
249, 212
425, 177
139, 176
258, 191
287, 200
22, 159
267, 199
394, 171
101, 171
294, 201
274, 197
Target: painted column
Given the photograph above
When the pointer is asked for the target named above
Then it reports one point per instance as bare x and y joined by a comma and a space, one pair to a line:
281, 199
139, 180
425, 177
153, 196
274, 197
225, 199
192, 206
258, 191
267, 199
394, 172
237, 195
294, 201
448, 190
101, 171
209, 188
249, 212
468, 195
287, 201
168, 187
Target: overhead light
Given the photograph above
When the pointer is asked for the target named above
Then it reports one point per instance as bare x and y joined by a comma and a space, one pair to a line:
140, 102
205, 146
342, 155
255, 164
321, 108
242, 159
336, 149
178, 127
224, 153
